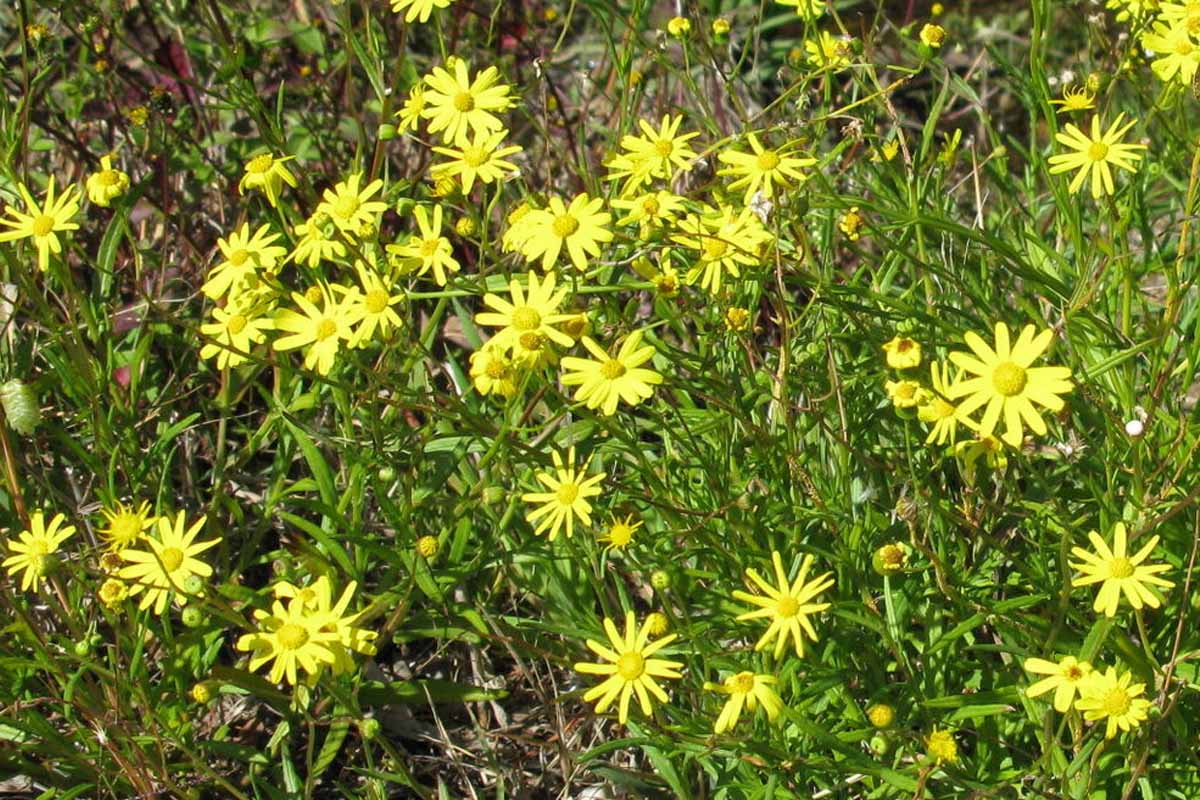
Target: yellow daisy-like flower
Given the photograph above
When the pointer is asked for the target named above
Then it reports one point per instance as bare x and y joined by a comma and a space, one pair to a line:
828, 51
106, 185
726, 240
1096, 155
905, 394
1066, 679
418, 10
167, 563
762, 169
1006, 385
809, 9
372, 306
936, 409
492, 370
234, 331
243, 256
320, 330
630, 668
851, 224
1113, 697
456, 105
567, 497
42, 223
654, 154
33, 553
318, 600
607, 380
789, 605
351, 207
1075, 98
581, 228
414, 106
428, 249
531, 317
932, 35
1178, 54
902, 353
268, 174
749, 690
316, 241
940, 747
620, 533
291, 636
653, 208
991, 449
125, 525
482, 160
1119, 573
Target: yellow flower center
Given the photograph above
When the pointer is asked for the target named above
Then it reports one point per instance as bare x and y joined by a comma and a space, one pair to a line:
620, 534
1008, 379
464, 102
1184, 47
1120, 567
345, 207
429, 247
768, 160
496, 369
376, 301
474, 156
171, 558
742, 683
904, 345
1072, 673
42, 224
630, 666
325, 329
291, 636
664, 148
942, 409
260, 164
612, 369
786, 606
567, 493
713, 249
565, 225
650, 206
1098, 151
235, 325
1193, 24
238, 257
1116, 701
532, 342
525, 318
39, 548
108, 177
124, 529
892, 556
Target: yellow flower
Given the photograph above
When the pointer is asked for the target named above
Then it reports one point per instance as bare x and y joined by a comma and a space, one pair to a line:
33, 553
654, 154
1066, 678
235, 330
315, 241
989, 447
482, 159
1095, 155
1119, 572
851, 224
1007, 385
762, 168
290, 636
1075, 99
244, 255
736, 319
418, 10
902, 353
607, 380
372, 306
125, 525
350, 207
937, 410
620, 533
567, 498
1111, 696
679, 26
788, 605
828, 51
428, 249
330, 617
905, 394
1178, 54
720, 28
169, 561
940, 746
321, 330
809, 9
456, 105
749, 690
726, 241
630, 669
580, 227
652, 208
531, 317
890, 558
881, 715
42, 223
666, 280
106, 185
414, 106
267, 173
493, 371
933, 35
113, 592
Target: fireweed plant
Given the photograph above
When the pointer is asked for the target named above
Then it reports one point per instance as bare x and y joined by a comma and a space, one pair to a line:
461, 398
